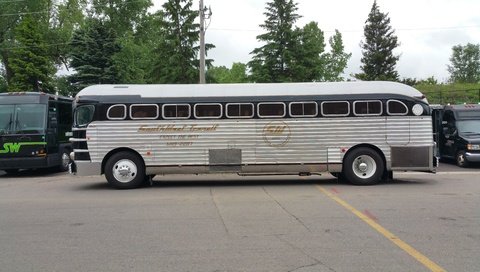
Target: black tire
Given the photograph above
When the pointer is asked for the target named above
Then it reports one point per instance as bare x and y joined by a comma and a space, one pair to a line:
125, 170
64, 161
11, 171
363, 166
461, 159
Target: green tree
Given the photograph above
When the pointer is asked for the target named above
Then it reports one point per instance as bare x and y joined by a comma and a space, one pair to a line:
465, 64
31, 66
92, 50
3, 84
309, 58
121, 15
378, 61
176, 55
273, 61
336, 60
221, 74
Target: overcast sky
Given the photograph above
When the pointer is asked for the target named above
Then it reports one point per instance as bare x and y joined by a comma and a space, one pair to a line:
426, 29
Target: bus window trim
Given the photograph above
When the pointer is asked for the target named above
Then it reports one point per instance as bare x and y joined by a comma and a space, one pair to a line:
240, 116
367, 114
335, 115
396, 114
176, 111
272, 116
207, 117
143, 118
117, 118
303, 115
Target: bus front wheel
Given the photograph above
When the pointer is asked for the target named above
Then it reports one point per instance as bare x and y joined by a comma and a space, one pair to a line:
125, 170
363, 166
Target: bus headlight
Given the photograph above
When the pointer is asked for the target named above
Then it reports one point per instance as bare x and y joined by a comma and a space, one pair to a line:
473, 146
417, 109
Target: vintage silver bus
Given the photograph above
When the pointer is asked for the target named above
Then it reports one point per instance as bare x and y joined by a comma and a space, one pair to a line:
359, 131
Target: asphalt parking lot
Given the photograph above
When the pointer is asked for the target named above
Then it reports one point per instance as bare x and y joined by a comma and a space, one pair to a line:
417, 222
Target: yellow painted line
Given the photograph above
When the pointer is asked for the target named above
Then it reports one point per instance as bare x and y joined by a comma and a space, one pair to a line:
390, 236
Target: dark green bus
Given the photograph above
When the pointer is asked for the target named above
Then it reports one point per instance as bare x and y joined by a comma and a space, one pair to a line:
34, 131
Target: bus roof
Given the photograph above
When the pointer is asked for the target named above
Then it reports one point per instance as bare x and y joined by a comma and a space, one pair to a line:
254, 89
30, 97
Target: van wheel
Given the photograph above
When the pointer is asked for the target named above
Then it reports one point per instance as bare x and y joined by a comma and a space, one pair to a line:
11, 171
125, 170
363, 166
64, 161
461, 159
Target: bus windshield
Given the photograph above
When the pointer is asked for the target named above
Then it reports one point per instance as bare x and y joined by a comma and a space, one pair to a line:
22, 118
84, 115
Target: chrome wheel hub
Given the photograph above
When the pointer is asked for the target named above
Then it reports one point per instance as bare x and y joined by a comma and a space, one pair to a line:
124, 171
364, 166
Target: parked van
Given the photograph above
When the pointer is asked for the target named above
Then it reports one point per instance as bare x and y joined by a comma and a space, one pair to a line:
457, 132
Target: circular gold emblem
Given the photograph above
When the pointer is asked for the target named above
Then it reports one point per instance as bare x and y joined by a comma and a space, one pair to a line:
276, 133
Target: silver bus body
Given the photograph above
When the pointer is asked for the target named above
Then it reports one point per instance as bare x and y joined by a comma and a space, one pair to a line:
268, 145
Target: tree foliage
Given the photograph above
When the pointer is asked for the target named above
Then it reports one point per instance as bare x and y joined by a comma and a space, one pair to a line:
176, 55
273, 61
221, 74
295, 54
31, 66
335, 61
465, 64
92, 50
378, 61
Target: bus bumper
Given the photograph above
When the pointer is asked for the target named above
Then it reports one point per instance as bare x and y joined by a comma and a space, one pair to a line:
24, 163
85, 168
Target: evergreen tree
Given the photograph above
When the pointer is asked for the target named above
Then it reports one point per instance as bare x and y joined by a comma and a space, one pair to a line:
92, 51
177, 53
273, 62
378, 61
465, 64
31, 66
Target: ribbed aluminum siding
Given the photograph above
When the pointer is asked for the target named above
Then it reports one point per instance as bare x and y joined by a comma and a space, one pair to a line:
262, 141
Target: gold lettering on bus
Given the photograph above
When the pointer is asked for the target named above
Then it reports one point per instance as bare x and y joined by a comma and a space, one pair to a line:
177, 128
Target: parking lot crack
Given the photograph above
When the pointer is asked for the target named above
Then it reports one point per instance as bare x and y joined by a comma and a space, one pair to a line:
212, 194
285, 210
315, 260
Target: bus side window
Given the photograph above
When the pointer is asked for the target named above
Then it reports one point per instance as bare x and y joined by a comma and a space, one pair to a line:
176, 111
335, 108
210, 110
271, 109
117, 112
144, 111
395, 107
239, 110
303, 109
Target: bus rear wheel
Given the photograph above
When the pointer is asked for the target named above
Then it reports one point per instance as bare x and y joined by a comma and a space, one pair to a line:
125, 170
363, 166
